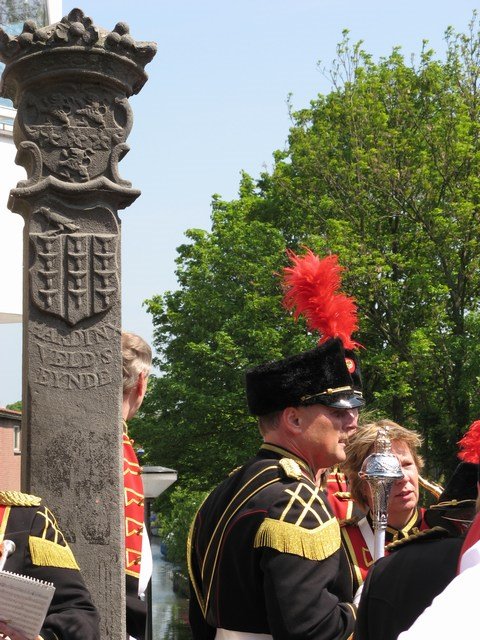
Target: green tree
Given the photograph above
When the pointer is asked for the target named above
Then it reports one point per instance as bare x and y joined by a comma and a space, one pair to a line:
183, 503
383, 170
225, 316
15, 406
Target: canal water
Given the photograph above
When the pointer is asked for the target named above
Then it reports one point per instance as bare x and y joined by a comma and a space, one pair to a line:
169, 609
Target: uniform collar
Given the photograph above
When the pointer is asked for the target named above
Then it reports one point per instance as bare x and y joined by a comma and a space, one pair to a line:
392, 534
285, 453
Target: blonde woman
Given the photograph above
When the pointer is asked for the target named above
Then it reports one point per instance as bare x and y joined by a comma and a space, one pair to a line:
404, 515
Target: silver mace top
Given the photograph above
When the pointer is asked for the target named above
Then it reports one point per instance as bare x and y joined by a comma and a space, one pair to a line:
380, 469
7, 547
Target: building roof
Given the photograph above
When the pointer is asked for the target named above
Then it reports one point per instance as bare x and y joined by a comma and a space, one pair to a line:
10, 413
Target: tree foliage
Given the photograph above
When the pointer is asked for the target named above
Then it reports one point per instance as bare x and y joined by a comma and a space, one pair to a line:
15, 406
225, 316
383, 171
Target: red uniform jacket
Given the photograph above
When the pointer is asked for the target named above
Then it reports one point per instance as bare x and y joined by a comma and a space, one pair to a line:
134, 513
356, 547
339, 497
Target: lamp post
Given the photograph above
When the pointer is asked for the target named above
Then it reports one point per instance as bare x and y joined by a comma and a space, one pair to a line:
155, 481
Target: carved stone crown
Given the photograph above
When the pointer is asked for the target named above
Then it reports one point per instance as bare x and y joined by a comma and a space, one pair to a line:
77, 34
75, 30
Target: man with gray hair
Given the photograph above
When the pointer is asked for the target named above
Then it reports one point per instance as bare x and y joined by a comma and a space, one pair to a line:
264, 550
137, 360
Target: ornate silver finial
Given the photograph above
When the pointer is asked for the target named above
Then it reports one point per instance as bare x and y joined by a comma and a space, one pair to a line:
7, 548
380, 469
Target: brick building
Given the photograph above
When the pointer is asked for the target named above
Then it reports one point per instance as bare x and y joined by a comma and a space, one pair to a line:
10, 458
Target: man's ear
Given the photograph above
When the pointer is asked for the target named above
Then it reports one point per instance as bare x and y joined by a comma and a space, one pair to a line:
142, 382
292, 420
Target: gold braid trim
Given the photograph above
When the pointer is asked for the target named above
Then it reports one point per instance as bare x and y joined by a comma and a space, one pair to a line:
17, 499
190, 551
354, 612
425, 534
46, 553
314, 544
453, 503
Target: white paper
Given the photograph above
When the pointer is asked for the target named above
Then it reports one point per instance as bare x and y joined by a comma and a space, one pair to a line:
24, 602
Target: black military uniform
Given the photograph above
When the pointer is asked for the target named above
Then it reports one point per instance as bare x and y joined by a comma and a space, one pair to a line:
265, 555
402, 585
264, 548
42, 552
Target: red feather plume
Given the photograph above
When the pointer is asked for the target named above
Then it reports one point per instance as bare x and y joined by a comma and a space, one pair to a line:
470, 444
311, 289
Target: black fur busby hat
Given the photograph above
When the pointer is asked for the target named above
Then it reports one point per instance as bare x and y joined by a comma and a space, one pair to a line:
457, 501
462, 485
353, 365
328, 374
318, 376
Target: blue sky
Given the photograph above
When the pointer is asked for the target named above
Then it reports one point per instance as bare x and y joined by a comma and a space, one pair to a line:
215, 104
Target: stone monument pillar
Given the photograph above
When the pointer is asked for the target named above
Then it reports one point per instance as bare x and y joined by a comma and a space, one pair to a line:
70, 83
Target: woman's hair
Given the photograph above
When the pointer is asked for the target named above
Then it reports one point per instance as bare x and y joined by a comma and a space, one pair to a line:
137, 359
361, 444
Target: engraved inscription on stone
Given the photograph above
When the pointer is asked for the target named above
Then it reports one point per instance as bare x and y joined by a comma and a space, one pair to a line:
80, 360
74, 275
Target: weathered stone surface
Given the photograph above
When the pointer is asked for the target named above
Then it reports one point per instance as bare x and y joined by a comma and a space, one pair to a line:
70, 83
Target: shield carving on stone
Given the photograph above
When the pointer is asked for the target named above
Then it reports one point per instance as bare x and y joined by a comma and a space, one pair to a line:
74, 275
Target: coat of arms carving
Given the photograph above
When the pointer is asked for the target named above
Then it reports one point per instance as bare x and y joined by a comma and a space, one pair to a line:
74, 275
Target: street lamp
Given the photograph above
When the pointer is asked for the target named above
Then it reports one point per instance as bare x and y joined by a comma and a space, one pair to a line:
155, 481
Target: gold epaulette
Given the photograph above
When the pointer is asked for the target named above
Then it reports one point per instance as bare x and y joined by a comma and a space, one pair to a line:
286, 537
425, 534
291, 468
349, 521
17, 499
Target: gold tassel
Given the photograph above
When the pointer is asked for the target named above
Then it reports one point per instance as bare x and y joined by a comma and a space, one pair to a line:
50, 554
314, 544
